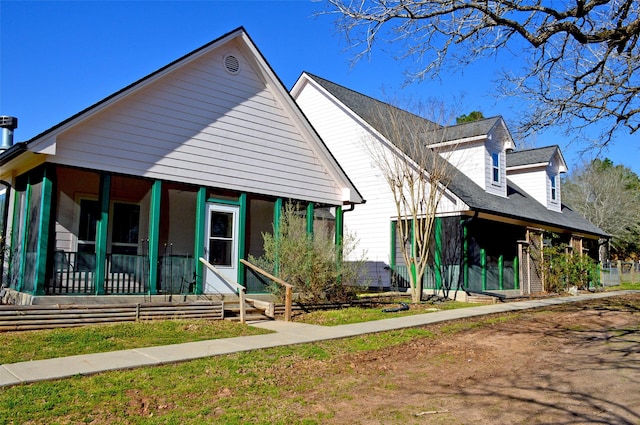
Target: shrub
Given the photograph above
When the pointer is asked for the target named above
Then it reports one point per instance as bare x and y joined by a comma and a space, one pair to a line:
312, 263
566, 269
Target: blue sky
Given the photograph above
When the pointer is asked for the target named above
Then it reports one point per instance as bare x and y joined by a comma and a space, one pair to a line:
57, 58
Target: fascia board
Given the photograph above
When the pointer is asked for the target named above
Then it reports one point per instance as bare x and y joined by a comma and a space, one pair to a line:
456, 142
528, 166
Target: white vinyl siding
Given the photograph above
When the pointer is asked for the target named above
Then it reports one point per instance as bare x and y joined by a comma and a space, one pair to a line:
469, 158
347, 139
553, 204
499, 187
533, 182
203, 126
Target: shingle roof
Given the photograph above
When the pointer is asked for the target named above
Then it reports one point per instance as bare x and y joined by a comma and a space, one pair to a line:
531, 156
517, 205
471, 129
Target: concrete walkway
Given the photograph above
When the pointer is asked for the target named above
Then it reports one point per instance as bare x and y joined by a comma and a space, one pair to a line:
286, 333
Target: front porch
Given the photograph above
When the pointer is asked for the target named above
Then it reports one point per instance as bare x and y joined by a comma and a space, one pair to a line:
77, 232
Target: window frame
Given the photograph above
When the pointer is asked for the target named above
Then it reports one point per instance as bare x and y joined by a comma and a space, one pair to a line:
495, 168
111, 244
554, 188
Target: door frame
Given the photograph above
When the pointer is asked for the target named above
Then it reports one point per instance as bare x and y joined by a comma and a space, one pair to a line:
229, 271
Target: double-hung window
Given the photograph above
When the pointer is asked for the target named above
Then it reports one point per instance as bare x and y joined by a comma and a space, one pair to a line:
495, 168
554, 189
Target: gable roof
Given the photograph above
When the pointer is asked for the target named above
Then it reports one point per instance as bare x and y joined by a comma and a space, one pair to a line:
377, 113
46, 142
518, 205
534, 157
471, 129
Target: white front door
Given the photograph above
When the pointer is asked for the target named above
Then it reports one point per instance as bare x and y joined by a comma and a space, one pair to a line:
221, 248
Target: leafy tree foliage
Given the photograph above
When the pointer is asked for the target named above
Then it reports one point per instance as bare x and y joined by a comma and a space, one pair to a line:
471, 117
580, 58
609, 196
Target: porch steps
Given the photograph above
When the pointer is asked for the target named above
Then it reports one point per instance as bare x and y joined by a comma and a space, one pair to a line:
254, 311
482, 299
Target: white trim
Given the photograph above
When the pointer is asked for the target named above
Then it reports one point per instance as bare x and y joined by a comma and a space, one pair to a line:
527, 166
458, 141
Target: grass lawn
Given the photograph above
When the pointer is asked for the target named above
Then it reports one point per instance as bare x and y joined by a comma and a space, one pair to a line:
232, 389
45, 344
350, 315
257, 387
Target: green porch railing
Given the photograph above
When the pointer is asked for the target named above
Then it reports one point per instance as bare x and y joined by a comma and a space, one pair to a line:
74, 274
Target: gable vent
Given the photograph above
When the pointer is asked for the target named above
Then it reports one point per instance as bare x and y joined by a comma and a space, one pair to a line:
231, 64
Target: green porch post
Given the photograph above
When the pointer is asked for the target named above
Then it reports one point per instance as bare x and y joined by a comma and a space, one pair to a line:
339, 234
339, 227
15, 229
437, 255
242, 237
198, 249
102, 227
501, 272
392, 250
516, 273
277, 215
465, 255
24, 236
43, 233
310, 208
483, 264
154, 235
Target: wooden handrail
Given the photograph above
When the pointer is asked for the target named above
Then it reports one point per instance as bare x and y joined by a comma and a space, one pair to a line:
241, 289
288, 293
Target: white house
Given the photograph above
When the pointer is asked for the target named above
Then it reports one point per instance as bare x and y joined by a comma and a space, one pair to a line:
497, 209
193, 160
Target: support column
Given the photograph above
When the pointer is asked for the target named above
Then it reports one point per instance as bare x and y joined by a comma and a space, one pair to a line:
154, 235
392, 251
501, 272
43, 232
242, 237
24, 235
198, 249
102, 226
277, 215
437, 255
465, 255
483, 265
310, 208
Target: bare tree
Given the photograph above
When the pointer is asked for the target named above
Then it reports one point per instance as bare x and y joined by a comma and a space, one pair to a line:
609, 196
582, 56
417, 177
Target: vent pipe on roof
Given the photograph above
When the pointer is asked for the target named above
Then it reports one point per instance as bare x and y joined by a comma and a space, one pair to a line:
7, 124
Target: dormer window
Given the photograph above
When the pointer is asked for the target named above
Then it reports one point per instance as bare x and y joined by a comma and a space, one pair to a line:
554, 189
495, 157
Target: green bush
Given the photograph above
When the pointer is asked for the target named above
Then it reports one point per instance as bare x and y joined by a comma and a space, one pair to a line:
312, 263
565, 270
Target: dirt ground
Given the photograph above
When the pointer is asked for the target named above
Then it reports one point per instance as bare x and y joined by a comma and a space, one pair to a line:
570, 364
